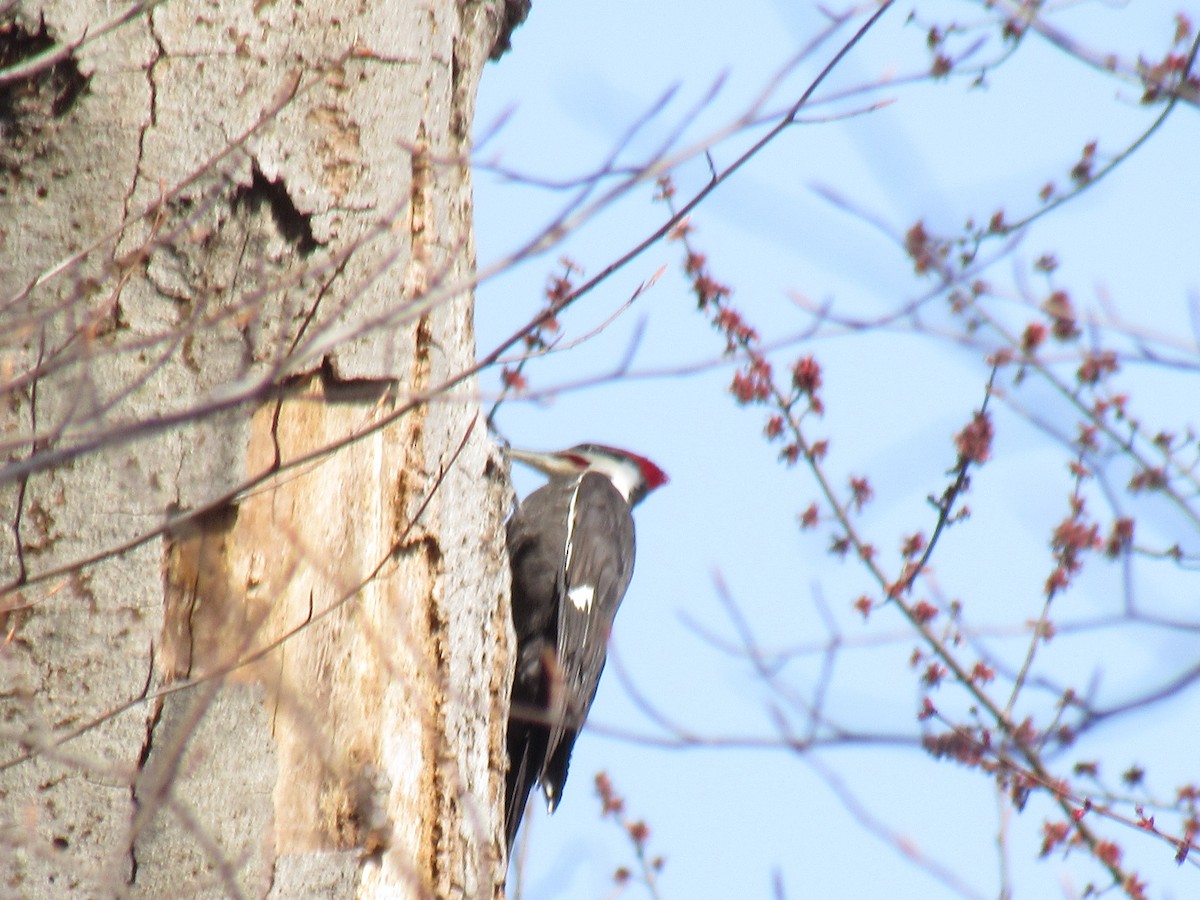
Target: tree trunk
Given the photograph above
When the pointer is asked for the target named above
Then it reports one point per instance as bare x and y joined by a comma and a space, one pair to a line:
252, 578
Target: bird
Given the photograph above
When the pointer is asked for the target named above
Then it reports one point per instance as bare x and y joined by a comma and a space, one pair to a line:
571, 553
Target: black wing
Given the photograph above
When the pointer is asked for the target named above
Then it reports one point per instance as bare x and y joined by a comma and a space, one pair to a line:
600, 556
535, 613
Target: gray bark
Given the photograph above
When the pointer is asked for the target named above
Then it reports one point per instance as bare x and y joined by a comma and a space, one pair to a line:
251, 582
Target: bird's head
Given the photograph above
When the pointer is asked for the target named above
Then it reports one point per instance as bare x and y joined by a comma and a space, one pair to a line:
634, 476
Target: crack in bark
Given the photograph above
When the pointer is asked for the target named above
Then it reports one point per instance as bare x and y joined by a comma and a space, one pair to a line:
34, 447
143, 757
151, 119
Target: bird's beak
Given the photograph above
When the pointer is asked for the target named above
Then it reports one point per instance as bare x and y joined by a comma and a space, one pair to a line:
546, 463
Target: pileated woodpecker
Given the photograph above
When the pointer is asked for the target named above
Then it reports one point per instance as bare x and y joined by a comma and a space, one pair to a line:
571, 548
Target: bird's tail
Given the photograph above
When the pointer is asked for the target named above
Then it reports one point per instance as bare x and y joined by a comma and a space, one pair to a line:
523, 769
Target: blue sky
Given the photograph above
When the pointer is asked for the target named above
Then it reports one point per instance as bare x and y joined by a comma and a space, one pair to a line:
579, 76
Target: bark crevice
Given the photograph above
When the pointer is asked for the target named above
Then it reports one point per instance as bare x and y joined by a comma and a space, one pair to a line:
294, 226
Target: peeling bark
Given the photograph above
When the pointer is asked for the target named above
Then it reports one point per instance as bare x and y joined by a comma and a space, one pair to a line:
251, 580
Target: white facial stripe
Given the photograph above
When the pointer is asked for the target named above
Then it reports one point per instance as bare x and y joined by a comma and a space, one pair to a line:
582, 596
624, 475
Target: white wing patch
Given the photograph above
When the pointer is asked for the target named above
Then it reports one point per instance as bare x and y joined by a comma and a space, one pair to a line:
582, 596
